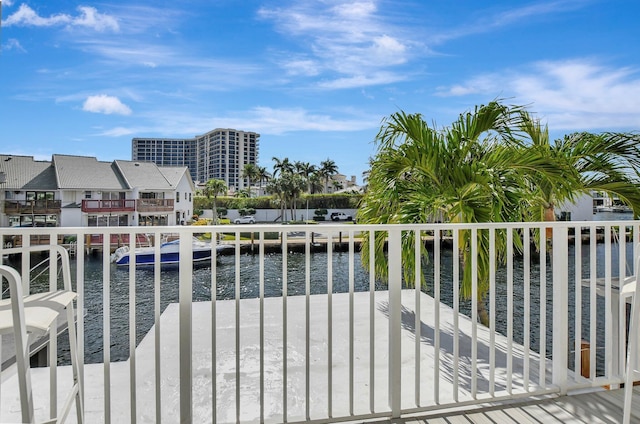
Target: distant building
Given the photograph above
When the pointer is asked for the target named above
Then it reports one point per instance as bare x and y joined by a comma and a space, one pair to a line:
220, 154
580, 209
80, 191
338, 183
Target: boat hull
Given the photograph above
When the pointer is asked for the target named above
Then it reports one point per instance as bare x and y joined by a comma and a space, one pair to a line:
169, 254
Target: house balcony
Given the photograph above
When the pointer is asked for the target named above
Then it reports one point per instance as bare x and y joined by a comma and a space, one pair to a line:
297, 323
154, 205
40, 207
99, 206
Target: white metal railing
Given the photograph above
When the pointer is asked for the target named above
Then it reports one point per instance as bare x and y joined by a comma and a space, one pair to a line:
347, 346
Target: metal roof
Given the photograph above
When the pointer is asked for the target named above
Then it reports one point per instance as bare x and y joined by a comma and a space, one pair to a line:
68, 172
174, 174
87, 173
25, 173
143, 175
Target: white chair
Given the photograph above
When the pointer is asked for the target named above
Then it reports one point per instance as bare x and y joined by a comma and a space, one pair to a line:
632, 288
37, 314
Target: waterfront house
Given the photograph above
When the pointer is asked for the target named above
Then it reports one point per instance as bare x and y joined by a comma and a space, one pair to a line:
80, 191
28, 192
581, 209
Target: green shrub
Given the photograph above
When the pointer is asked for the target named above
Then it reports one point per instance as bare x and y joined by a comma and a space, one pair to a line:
247, 211
313, 201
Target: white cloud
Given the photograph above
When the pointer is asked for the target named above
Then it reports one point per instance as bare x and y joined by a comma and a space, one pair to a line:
269, 120
389, 50
304, 67
28, 17
262, 119
13, 44
574, 95
355, 41
105, 104
490, 21
379, 78
351, 39
118, 132
356, 10
88, 17
8, 3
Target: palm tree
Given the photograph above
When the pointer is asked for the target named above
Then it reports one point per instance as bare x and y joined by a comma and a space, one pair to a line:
306, 170
293, 185
604, 162
274, 186
281, 166
328, 168
213, 188
485, 181
287, 188
243, 194
315, 183
263, 176
251, 172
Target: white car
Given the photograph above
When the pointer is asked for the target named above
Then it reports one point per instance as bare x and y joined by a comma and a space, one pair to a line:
248, 219
340, 216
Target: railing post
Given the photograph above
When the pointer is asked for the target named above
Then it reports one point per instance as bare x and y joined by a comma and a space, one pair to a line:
185, 293
560, 270
395, 323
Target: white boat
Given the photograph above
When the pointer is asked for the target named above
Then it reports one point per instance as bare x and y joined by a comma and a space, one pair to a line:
169, 253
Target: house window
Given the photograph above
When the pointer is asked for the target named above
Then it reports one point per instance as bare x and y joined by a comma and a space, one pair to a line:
87, 195
178, 197
189, 196
107, 220
147, 220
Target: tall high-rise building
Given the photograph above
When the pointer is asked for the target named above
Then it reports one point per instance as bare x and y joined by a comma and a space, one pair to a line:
221, 154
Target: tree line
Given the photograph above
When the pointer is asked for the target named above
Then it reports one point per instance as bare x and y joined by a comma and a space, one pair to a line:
288, 182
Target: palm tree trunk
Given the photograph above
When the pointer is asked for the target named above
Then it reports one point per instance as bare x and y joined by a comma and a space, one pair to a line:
483, 315
549, 216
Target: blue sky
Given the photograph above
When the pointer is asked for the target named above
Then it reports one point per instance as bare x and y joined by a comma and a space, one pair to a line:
314, 78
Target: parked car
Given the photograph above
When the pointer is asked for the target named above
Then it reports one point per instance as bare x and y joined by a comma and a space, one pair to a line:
247, 219
340, 216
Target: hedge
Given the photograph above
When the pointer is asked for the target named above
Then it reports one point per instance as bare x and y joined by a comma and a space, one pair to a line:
316, 201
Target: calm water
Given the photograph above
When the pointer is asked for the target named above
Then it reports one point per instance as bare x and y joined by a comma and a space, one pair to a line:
249, 271
249, 288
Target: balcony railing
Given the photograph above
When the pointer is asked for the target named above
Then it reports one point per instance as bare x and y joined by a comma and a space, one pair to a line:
18, 207
120, 205
154, 205
292, 324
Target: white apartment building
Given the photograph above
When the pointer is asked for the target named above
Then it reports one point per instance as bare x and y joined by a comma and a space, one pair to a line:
221, 154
